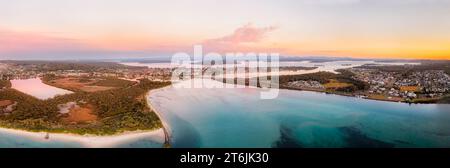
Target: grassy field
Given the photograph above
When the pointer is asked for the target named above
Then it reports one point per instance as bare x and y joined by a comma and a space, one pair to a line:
88, 85
410, 88
334, 84
384, 97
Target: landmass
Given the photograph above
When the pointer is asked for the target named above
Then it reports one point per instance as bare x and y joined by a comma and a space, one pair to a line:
102, 102
428, 82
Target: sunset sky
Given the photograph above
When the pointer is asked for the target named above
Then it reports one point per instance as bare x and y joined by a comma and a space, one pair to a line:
33, 29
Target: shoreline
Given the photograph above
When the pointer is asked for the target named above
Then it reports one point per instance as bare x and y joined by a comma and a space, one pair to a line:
355, 96
159, 135
87, 141
165, 127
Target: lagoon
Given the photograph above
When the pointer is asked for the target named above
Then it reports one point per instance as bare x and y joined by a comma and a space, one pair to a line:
36, 88
238, 118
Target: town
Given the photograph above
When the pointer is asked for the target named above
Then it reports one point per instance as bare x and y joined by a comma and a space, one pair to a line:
397, 85
404, 84
25, 70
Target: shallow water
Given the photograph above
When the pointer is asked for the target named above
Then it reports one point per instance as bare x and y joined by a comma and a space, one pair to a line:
9, 140
14, 140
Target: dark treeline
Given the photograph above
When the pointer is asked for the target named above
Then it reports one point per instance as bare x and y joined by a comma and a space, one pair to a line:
321, 77
117, 110
113, 82
444, 100
5, 83
347, 77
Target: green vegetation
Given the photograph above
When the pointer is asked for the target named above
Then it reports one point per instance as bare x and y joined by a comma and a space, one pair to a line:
444, 100
5, 83
49, 77
321, 77
422, 100
84, 80
117, 110
441, 100
113, 82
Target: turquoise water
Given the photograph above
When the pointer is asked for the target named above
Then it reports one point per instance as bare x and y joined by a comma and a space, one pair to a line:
238, 118
8, 140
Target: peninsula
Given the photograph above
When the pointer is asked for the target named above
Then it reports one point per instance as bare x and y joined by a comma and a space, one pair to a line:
100, 102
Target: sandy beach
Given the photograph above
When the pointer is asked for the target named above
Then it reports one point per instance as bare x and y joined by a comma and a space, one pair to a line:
166, 128
88, 141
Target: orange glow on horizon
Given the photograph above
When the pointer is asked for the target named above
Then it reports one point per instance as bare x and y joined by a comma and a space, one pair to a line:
418, 48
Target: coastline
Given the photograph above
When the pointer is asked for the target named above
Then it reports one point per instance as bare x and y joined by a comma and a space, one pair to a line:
165, 127
356, 96
87, 141
159, 135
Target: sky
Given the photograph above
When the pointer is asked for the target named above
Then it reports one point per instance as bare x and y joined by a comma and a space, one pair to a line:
55, 29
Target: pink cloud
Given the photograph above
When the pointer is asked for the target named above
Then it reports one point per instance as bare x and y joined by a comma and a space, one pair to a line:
245, 34
243, 39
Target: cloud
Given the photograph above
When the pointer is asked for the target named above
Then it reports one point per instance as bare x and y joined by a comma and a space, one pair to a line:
245, 34
246, 38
